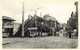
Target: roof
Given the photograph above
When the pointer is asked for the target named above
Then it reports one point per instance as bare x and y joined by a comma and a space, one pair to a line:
7, 18
53, 18
48, 17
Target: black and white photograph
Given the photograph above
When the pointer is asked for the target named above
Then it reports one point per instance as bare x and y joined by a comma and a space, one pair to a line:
40, 24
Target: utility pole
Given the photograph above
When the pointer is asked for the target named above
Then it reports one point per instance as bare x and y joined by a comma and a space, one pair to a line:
76, 4
55, 29
55, 23
23, 20
36, 10
51, 27
40, 14
36, 15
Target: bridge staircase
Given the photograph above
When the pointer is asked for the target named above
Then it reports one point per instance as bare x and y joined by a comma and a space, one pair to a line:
28, 23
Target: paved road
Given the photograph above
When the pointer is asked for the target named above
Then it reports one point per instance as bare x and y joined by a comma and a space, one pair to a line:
40, 42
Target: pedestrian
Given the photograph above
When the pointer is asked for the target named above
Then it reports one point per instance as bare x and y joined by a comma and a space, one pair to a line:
69, 33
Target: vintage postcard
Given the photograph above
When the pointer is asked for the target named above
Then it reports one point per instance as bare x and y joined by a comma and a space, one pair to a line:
39, 24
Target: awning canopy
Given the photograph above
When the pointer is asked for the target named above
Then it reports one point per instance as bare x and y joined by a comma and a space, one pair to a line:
7, 18
32, 28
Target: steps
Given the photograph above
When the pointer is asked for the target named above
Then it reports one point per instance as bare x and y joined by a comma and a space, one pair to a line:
28, 23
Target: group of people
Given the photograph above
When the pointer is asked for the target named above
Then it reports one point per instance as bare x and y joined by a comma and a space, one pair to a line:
72, 33
67, 33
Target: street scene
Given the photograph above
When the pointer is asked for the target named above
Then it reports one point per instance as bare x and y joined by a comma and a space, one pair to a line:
40, 24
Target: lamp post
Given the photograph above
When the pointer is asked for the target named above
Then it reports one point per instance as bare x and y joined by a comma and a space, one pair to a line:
35, 15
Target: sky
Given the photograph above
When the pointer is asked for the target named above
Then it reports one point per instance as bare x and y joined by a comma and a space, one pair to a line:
60, 9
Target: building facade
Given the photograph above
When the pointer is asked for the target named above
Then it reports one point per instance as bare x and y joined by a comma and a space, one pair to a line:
72, 23
7, 26
54, 24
